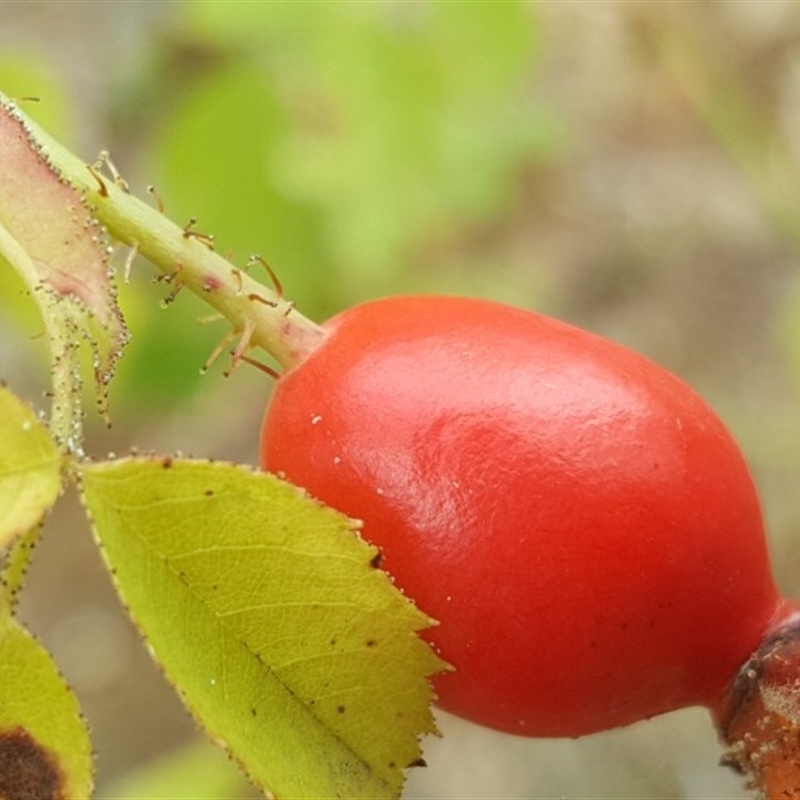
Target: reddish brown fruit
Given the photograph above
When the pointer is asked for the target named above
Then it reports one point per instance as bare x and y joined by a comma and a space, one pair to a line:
579, 520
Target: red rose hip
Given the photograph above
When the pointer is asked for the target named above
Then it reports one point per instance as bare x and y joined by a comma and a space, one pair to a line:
580, 522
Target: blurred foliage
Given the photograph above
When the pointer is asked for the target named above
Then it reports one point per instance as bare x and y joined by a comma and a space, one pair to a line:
384, 125
198, 770
29, 79
341, 141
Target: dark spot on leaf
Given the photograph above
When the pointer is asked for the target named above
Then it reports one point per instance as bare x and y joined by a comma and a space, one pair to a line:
371, 643
333, 642
341, 709
209, 492
392, 765
376, 560
27, 770
418, 762
254, 712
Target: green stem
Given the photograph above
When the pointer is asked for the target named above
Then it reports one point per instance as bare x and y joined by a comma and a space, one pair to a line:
66, 413
258, 313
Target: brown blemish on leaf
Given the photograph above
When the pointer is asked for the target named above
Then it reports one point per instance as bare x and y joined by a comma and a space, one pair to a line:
27, 770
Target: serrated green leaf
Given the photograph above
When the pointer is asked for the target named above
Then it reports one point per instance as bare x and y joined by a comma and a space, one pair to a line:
30, 468
45, 749
266, 611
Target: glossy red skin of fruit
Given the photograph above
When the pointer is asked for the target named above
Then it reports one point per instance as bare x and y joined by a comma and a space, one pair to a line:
579, 520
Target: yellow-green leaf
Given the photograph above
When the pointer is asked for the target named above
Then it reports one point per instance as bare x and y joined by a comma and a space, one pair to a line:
267, 612
30, 468
45, 749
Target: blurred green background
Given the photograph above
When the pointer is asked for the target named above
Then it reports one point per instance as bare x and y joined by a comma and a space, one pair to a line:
630, 167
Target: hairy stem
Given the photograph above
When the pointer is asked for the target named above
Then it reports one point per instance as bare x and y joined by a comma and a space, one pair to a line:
66, 415
185, 259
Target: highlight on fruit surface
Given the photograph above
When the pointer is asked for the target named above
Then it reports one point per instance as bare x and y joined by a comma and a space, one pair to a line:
580, 522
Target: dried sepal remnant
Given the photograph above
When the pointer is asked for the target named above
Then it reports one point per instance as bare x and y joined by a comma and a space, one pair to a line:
761, 722
49, 235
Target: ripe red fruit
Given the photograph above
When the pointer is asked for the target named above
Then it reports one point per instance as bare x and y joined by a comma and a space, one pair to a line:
579, 521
